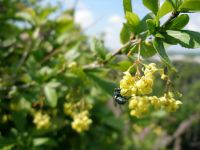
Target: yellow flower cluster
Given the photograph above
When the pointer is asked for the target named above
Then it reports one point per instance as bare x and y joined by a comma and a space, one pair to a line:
138, 87
69, 109
130, 85
169, 103
139, 105
81, 121
42, 121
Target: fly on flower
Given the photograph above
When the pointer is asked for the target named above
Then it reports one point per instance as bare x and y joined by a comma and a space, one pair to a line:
118, 98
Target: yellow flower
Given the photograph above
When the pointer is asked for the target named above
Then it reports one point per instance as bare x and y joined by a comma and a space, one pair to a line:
139, 86
150, 69
145, 84
133, 103
139, 105
81, 122
42, 121
135, 113
127, 84
155, 102
169, 103
68, 109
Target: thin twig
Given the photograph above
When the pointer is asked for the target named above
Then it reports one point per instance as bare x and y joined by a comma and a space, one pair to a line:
119, 51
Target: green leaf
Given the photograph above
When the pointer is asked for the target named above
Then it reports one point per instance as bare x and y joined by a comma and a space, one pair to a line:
190, 5
153, 5
73, 53
158, 45
186, 38
43, 141
123, 65
125, 34
178, 23
46, 12
127, 6
151, 26
25, 16
113, 122
165, 8
133, 21
143, 24
19, 118
105, 85
51, 95
98, 48
147, 50
173, 3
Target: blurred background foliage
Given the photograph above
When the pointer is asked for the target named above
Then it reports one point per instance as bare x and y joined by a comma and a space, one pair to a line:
47, 61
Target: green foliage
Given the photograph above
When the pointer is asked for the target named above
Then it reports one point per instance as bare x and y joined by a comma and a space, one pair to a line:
127, 6
125, 34
190, 5
153, 5
132, 21
151, 25
178, 23
186, 38
47, 61
158, 44
165, 9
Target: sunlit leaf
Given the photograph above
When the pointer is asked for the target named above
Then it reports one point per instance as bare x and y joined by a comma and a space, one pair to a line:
133, 20
153, 5
190, 5
125, 34
51, 95
165, 8
178, 23
127, 6
158, 45
186, 38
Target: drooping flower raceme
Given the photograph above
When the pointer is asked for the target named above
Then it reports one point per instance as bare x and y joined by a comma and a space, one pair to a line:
138, 88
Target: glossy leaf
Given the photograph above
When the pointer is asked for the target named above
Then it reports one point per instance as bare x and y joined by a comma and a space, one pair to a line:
147, 50
186, 38
178, 23
151, 26
127, 6
165, 9
143, 24
125, 34
51, 95
153, 5
190, 5
158, 45
133, 21
173, 3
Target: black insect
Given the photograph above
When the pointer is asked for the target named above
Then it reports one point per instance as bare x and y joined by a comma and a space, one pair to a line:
118, 98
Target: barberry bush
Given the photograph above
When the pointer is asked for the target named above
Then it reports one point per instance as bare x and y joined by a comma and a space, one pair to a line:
56, 83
